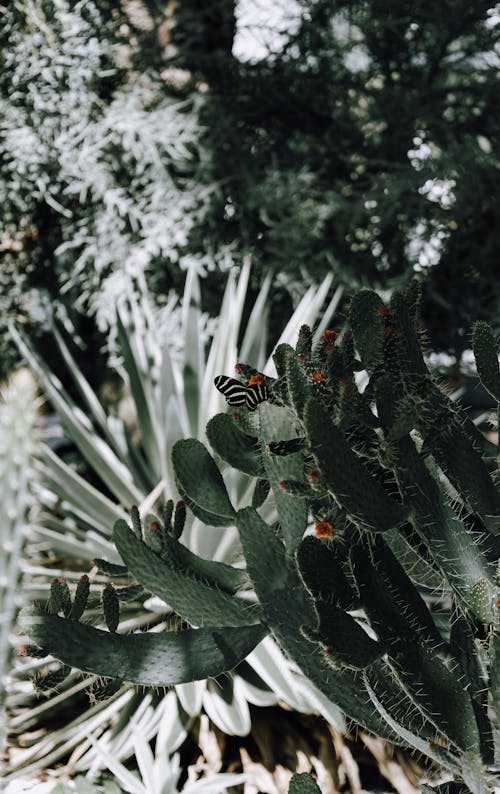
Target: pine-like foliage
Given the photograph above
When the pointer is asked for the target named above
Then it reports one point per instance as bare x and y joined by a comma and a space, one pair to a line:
100, 162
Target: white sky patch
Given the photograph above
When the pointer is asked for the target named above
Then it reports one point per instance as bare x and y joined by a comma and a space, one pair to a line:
420, 153
263, 27
493, 16
425, 246
357, 60
440, 191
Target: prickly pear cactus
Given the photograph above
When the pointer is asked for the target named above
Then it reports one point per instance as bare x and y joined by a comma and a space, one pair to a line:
376, 500
200, 591
18, 413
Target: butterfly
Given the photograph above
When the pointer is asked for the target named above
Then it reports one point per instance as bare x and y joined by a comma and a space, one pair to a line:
237, 393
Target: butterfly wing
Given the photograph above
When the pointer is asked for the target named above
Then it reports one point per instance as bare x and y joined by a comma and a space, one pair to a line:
255, 395
234, 391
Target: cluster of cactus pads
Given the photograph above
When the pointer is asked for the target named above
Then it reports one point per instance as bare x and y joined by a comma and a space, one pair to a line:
390, 606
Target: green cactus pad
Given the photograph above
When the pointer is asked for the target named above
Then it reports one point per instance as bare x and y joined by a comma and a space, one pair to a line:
198, 476
486, 354
265, 555
179, 520
288, 607
197, 602
166, 512
404, 418
346, 641
304, 341
111, 607
323, 574
297, 488
455, 453
440, 695
260, 493
413, 616
303, 784
136, 520
128, 594
494, 654
409, 360
153, 534
80, 598
233, 446
281, 356
60, 598
150, 659
217, 574
110, 568
277, 424
346, 476
460, 557
471, 659
299, 389
367, 326
481, 600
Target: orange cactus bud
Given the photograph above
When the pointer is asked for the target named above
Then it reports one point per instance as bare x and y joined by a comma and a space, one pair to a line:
323, 529
330, 337
257, 380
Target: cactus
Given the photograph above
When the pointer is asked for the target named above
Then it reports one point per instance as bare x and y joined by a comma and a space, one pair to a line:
302, 783
150, 659
352, 607
18, 413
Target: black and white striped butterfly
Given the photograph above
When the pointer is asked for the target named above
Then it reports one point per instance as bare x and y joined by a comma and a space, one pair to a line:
237, 393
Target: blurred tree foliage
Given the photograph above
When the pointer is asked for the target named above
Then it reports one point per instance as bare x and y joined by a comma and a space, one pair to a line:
365, 142
102, 167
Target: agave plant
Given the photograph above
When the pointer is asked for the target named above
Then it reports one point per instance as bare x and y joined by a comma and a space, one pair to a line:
157, 773
167, 359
